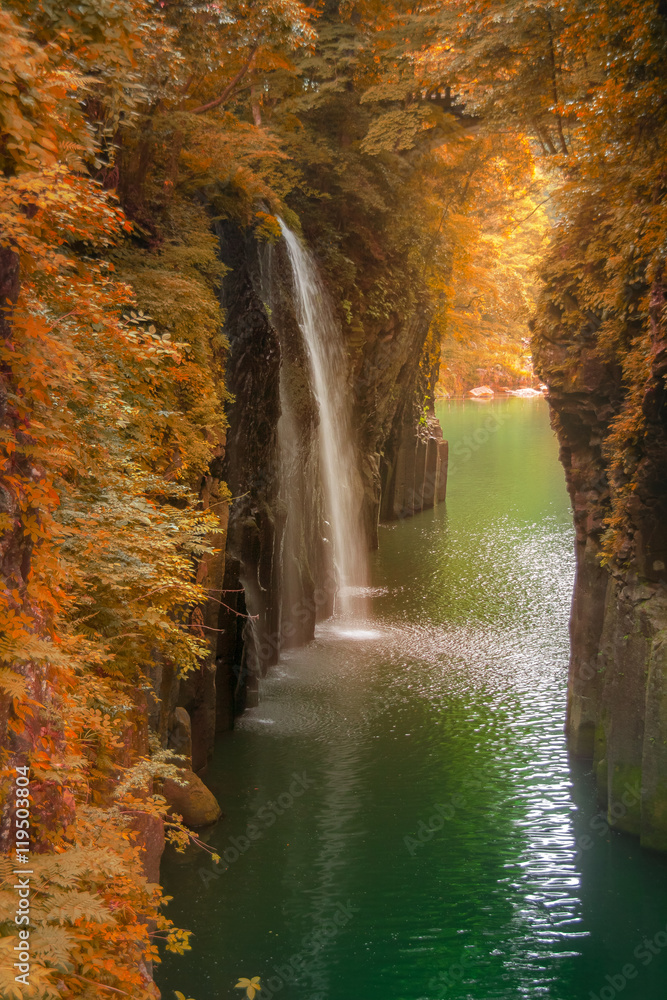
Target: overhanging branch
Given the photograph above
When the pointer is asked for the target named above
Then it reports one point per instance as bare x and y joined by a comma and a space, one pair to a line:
230, 86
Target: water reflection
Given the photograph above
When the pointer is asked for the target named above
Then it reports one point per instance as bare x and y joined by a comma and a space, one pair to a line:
436, 851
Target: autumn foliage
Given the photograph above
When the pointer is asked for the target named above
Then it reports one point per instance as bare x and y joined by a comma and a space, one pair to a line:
431, 155
100, 525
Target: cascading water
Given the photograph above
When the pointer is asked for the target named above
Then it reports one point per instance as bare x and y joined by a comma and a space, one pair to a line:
340, 476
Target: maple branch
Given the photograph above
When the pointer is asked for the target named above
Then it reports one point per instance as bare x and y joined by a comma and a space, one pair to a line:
461, 199
155, 590
473, 299
101, 986
554, 87
233, 610
221, 503
188, 83
193, 837
64, 316
530, 213
230, 86
210, 628
538, 133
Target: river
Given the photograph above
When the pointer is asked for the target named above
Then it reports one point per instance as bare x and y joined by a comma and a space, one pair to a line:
402, 821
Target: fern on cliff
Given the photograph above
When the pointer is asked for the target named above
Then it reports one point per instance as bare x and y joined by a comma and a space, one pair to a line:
100, 526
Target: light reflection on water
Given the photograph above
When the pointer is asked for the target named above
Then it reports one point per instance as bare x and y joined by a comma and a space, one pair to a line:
440, 811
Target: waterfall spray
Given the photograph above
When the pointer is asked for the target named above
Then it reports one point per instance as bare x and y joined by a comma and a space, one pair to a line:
340, 476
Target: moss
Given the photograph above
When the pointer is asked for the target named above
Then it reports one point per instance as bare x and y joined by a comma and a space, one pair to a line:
600, 771
654, 818
600, 744
624, 806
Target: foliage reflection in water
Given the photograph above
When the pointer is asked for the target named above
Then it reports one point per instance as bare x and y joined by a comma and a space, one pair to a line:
402, 821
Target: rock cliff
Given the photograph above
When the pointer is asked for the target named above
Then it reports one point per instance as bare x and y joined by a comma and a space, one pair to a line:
275, 579
612, 427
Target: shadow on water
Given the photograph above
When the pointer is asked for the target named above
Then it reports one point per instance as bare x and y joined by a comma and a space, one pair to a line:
402, 820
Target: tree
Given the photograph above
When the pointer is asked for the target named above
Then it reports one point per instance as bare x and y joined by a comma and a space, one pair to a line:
92, 522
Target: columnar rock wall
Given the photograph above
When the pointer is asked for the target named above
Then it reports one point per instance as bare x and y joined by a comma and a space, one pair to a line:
404, 455
274, 578
617, 693
279, 574
415, 477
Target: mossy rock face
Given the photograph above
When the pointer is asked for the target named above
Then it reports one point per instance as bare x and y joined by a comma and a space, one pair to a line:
654, 818
180, 735
193, 801
624, 806
601, 782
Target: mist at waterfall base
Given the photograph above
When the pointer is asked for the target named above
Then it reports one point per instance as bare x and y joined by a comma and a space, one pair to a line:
338, 465
401, 820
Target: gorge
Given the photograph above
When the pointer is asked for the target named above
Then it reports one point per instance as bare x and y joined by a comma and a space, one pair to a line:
438, 815
291, 630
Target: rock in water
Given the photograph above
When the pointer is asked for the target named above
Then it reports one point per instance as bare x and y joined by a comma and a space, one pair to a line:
480, 391
525, 393
193, 801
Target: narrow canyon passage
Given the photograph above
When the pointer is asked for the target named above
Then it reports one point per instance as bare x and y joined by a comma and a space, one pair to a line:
402, 821
333, 500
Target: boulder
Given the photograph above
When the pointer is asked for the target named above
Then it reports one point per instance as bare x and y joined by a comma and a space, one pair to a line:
525, 392
193, 800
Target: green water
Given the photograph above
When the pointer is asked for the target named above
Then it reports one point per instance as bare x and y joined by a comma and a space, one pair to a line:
437, 842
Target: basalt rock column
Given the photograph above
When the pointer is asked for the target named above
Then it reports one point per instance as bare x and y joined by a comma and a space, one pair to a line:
277, 562
617, 689
250, 471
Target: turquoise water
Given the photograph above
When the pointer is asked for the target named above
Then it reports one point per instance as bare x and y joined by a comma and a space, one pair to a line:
402, 821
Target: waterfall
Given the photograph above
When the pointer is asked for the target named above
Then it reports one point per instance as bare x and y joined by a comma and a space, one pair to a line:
340, 477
